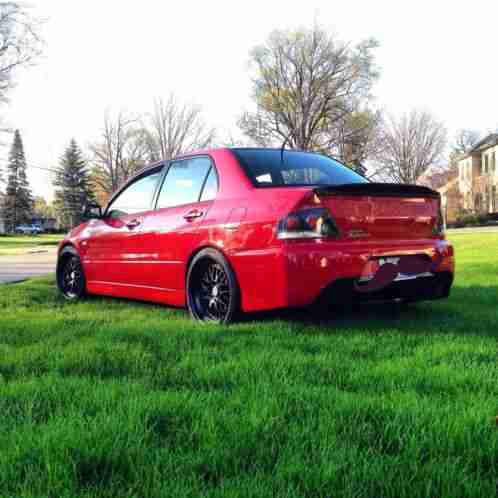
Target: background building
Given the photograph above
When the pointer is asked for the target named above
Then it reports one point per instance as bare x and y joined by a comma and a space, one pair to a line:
478, 176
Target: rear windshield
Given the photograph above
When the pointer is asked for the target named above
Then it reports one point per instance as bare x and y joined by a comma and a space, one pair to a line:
267, 167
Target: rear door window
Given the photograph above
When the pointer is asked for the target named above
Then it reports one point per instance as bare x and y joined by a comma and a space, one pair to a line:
184, 181
211, 186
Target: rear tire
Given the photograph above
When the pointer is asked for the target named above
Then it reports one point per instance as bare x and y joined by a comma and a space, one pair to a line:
70, 275
213, 294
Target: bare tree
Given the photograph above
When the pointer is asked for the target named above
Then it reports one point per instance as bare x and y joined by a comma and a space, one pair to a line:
307, 84
20, 42
411, 144
464, 140
20, 45
177, 128
120, 152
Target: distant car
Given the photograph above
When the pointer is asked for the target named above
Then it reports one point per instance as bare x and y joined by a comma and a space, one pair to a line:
28, 229
230, 230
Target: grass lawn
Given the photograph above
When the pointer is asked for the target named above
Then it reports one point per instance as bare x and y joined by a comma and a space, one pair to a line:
20, 244
112, 398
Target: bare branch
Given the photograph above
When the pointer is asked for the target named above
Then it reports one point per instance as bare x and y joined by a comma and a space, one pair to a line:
20, 42
176, 129
410, 145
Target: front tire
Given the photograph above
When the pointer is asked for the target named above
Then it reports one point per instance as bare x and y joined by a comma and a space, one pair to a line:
70, 275
213, 293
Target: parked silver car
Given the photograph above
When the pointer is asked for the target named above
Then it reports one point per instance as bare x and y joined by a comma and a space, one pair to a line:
28, 229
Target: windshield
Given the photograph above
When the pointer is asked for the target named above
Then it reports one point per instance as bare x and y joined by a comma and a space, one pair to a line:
265, 168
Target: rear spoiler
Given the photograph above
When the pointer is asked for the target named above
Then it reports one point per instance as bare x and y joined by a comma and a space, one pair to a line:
378, 190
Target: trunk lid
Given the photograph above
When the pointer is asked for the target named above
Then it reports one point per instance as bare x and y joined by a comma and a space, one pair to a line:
382, 210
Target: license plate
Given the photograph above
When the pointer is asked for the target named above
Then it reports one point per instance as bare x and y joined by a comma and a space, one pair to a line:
373, 265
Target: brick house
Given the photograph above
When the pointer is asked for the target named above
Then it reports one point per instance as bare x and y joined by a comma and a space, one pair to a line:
478, 176
475, 188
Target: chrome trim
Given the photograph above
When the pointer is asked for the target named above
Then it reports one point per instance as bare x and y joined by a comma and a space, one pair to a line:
299, 235
401, 277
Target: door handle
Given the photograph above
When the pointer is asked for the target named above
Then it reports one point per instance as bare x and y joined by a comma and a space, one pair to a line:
192, 214
133, 224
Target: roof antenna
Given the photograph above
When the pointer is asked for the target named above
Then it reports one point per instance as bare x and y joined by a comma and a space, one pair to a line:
283, 148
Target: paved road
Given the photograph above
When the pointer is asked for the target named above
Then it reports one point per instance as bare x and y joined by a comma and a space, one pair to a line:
17, 268
473, 230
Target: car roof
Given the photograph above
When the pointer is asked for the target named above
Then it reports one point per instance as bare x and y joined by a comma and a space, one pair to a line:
210, 150
207, 152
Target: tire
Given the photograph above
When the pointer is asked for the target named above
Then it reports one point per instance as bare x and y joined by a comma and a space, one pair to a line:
213, 294
70, 275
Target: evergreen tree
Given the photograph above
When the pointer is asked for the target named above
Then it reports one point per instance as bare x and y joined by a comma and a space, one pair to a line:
17, 205
72, 187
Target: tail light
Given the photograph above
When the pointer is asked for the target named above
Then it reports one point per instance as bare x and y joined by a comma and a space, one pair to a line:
314, 223
439, 227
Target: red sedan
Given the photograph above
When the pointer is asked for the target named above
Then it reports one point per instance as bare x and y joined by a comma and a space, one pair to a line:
225, 231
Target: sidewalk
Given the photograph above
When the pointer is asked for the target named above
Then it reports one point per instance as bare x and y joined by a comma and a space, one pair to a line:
32, 264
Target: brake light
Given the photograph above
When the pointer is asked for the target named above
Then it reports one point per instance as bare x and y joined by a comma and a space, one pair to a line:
313, 223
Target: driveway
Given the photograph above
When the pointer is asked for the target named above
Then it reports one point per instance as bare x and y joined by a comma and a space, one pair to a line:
17, 268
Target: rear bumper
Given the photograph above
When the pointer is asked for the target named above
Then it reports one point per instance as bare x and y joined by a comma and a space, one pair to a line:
298, 274
313, 269
343, 291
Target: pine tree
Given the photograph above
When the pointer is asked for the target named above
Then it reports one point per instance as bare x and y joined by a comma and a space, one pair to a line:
72, 187
17, 205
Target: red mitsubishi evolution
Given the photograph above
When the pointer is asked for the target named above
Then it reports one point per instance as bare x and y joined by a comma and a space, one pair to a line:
225, 231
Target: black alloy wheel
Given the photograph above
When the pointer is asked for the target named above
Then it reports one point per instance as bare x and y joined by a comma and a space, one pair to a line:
70, 275
212, 290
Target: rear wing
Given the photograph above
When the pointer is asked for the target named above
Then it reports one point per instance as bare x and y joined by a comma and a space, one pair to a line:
378, 190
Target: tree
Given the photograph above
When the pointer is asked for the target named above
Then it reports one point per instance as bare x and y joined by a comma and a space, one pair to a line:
20, 42
411, 144
18, 199
464, 141
358, 139
130, 142
120, 152
307, 87
42, 209
177, 128
72, 187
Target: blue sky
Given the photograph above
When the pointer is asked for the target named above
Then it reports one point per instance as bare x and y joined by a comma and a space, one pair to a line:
437, 55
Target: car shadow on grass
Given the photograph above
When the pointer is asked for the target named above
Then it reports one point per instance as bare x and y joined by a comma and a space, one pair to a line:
468, 310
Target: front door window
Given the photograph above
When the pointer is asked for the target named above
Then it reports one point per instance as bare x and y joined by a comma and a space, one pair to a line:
135, 198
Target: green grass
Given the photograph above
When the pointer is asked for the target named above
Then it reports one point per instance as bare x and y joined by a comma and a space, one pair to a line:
113, 398
20, 244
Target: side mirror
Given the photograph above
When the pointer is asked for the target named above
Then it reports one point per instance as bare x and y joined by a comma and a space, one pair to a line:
92, 211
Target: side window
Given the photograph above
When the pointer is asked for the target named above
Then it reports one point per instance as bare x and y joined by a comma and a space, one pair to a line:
183, 182
210, 187
135, 198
